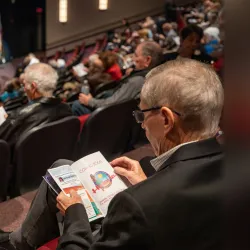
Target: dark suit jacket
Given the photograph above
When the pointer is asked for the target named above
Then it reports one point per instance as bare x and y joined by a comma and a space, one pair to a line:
176, 208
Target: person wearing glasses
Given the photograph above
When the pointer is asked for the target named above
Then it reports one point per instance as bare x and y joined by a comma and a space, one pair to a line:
177, 207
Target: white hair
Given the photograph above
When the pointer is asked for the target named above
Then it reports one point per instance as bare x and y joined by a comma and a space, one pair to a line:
43, 75
190, 88
212, 33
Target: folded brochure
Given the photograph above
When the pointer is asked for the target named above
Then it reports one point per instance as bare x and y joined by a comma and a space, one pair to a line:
93, 178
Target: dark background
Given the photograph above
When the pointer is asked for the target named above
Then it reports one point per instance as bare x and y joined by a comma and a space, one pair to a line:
20, 25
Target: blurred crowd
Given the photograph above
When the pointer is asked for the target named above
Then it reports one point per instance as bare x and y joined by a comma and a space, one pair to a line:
193, 31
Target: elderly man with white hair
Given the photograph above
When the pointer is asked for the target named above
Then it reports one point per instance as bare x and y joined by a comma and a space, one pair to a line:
177, 207
39, 83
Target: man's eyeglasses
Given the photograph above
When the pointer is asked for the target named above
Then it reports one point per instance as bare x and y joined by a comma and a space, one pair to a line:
139, 114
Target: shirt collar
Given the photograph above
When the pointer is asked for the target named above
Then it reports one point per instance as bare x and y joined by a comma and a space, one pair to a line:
158, 162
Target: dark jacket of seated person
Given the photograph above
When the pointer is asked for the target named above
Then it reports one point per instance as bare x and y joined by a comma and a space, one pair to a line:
41, 111
39, 83
147, 56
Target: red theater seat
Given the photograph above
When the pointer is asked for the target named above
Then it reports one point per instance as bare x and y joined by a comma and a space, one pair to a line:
83, 119
52, 245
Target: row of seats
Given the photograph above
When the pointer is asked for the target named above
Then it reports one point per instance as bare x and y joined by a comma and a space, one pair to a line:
110, 130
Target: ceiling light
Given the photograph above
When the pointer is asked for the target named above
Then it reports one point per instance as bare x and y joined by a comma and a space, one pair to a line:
103, 4
63, 11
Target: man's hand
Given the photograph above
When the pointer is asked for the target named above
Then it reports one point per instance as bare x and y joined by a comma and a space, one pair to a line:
129, 71
162, 37
130, 169
64, 202
84, 99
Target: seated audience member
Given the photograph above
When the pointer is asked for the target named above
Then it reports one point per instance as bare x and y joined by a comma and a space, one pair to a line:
110, 65
145, 35
190, 45
211, 20
177, 207
170, 36
168, 30
11, 90
97, 75
147, 56
212, 39
39, 83
30, 59
148, 23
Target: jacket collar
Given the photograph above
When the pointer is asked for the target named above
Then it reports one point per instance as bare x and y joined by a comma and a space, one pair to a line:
142, 72
194, 150
47, 100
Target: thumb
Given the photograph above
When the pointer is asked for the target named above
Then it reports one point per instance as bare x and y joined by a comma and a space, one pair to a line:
73, 193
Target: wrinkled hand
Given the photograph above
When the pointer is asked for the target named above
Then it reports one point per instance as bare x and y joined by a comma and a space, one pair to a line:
84, 99
130, 169
64, 202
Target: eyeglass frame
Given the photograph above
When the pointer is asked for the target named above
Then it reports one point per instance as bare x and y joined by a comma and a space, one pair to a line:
150, 109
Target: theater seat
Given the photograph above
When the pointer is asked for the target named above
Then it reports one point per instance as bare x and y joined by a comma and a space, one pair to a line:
108, 130
52, 245
82, 120
38, 149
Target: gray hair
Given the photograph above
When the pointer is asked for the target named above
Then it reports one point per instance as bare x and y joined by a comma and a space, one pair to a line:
43, 75
153, 50
190, 88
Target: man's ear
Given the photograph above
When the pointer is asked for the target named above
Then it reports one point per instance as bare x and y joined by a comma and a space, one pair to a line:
33, 85
169, 120
148, 60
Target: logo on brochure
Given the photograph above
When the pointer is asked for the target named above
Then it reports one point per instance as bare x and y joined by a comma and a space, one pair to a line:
102, 180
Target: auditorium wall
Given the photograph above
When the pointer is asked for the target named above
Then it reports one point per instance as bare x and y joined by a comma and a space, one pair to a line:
85, 19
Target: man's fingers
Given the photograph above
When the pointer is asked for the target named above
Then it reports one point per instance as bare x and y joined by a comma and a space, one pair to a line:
131, 176
122, 172
73, 193
119, 160
122, 161
60, 197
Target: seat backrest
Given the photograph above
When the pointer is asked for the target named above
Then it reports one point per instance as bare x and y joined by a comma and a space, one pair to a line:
15, 103
105, 86
108, 130
36, 151
4, 168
